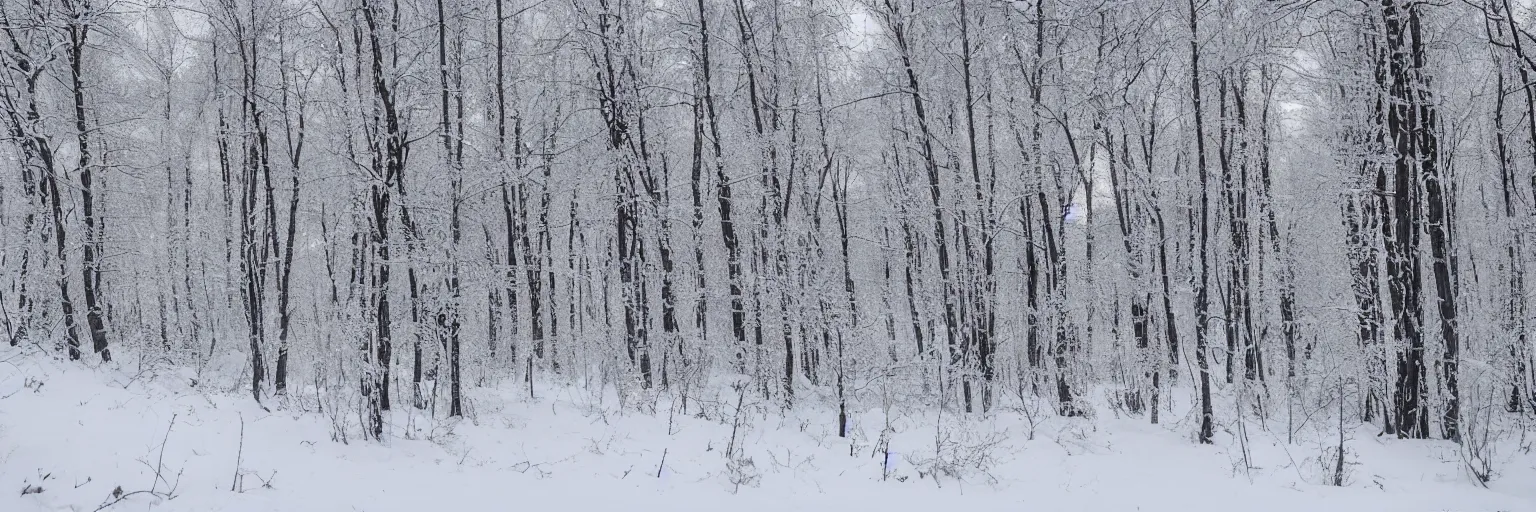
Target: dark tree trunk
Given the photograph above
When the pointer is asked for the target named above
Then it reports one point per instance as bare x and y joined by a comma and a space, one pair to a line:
723, 192
840, 206
1406, 128
37, 156
544, 242
982, 318
624, 120
54, 201
1128, 216
452, 126
388, 163
897, 25
79, 32
1202, 293
295, 139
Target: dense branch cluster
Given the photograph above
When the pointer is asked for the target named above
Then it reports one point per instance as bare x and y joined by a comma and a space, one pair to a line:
1261, 205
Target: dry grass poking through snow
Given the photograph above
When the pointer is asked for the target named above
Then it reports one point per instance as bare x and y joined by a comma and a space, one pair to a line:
76, 438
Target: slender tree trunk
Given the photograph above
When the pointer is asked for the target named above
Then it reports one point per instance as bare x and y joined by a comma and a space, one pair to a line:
1202, 294
452, 127
896, 23
295, 139
723, 194
79, 32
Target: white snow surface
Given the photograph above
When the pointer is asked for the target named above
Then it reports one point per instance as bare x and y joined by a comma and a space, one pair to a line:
81, 430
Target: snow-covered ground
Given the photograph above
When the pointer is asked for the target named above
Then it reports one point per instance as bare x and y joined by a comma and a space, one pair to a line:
80, 432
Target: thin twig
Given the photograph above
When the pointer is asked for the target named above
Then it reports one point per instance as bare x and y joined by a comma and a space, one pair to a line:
125, 496
160, 462
239, 454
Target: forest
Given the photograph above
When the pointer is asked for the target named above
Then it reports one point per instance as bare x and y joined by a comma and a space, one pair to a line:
1307, 215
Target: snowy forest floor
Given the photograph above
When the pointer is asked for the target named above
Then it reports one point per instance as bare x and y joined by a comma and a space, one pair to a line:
79, 432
